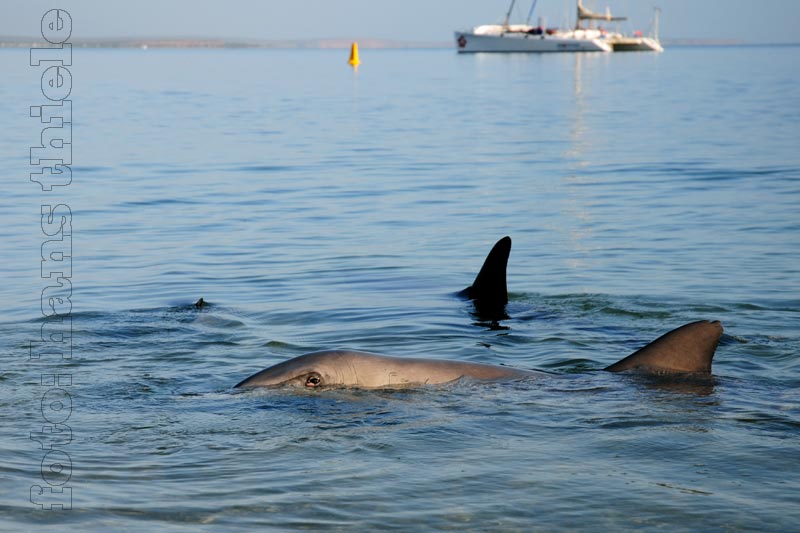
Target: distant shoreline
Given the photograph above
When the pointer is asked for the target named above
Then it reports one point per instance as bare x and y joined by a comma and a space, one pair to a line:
154, 42
304, 44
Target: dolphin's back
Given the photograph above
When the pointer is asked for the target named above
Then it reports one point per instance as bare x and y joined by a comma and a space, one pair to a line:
689, 348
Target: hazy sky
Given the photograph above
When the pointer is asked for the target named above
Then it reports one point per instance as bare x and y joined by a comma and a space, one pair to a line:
412, 20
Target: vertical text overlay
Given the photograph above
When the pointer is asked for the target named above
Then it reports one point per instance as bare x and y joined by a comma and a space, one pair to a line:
51, 350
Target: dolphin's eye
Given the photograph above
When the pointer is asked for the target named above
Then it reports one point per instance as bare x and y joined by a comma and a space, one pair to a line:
314, 380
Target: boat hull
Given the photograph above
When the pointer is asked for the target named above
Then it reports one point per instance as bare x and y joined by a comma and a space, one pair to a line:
470, 42
635, 44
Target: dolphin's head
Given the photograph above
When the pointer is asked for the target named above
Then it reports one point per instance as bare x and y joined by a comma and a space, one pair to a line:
312, 370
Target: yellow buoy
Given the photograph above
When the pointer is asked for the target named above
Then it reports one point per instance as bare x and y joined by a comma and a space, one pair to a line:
354, 61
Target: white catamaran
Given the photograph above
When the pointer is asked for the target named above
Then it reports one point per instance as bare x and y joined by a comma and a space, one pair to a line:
508, 37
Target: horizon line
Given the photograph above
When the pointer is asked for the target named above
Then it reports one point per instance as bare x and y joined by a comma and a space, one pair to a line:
11, 41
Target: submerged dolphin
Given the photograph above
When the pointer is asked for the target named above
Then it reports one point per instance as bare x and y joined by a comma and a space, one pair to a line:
687, 349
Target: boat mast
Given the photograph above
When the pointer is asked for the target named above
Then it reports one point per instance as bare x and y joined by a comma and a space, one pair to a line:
656, 13
508, 15
530, 13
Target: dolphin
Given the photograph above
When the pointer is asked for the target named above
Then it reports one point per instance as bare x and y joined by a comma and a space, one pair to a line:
688, 349
489, 291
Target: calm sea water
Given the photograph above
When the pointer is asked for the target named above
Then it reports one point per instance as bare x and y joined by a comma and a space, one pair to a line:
317, 207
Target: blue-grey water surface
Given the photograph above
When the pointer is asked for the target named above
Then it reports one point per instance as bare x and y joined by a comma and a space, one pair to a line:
317, 207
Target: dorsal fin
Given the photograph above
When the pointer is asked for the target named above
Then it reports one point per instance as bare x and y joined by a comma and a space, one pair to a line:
489, 288
689, 348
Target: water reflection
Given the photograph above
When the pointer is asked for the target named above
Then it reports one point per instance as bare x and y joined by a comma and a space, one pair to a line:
691, 384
